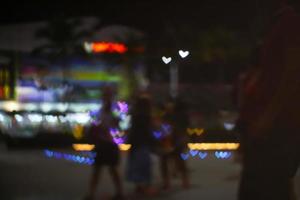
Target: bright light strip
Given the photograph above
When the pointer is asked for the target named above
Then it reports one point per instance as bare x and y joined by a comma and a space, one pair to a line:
48, 107
51, 119
62, 107
78, 107
83, 147
191, 146
90, 147
11, 106
213, 146
30, 106
81, 118
35, 118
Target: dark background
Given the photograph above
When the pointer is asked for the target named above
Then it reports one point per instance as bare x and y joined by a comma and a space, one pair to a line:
143, 14
168, 26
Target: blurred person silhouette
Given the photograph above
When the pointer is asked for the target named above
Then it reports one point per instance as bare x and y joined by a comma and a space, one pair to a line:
269, 117
180, 139
245, 81
247, 75
139, 164
165, 142
175, 143
107, 151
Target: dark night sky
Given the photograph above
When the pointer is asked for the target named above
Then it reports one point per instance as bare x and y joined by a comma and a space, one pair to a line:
143, 14
154, 17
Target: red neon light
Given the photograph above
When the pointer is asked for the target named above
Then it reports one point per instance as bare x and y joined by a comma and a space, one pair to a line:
101, 47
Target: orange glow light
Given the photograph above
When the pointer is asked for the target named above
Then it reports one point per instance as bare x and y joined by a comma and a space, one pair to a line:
124, 147
101, 47
90, 147
83, 147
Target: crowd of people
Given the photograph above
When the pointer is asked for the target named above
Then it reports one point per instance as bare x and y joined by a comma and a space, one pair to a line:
268, 122
163, 135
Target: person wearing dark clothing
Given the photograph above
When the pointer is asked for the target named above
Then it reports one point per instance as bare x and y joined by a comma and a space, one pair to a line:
139, 169
177, 118
269, 117
107, 151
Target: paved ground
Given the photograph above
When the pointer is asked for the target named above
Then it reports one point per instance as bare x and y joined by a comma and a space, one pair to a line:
30, 175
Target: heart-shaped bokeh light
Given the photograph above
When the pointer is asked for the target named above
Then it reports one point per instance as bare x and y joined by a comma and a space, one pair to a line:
194, 152
166, 60
184, 156
202, 155
183, 54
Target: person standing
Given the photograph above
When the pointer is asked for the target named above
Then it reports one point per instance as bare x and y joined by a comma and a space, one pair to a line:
269, 118
175, 143
139, 164
107, 151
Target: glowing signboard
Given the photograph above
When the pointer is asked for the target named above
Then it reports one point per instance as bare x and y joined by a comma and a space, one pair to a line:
105, 47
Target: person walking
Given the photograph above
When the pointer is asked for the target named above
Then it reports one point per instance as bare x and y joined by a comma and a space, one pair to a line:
107, 151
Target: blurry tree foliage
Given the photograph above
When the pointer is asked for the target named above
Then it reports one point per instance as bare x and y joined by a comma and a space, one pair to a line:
63, 39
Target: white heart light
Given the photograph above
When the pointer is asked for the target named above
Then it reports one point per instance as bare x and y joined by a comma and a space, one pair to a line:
183, 54
166, 60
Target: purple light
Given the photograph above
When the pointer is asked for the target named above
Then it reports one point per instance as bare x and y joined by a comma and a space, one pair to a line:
123, 107
114, 132
118, 140
157, 134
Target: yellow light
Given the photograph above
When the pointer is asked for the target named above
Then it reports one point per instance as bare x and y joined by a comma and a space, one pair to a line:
83, 147
11, 106
78, 131
196, 131
192, 146
90, 147
124, 147
213, 146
